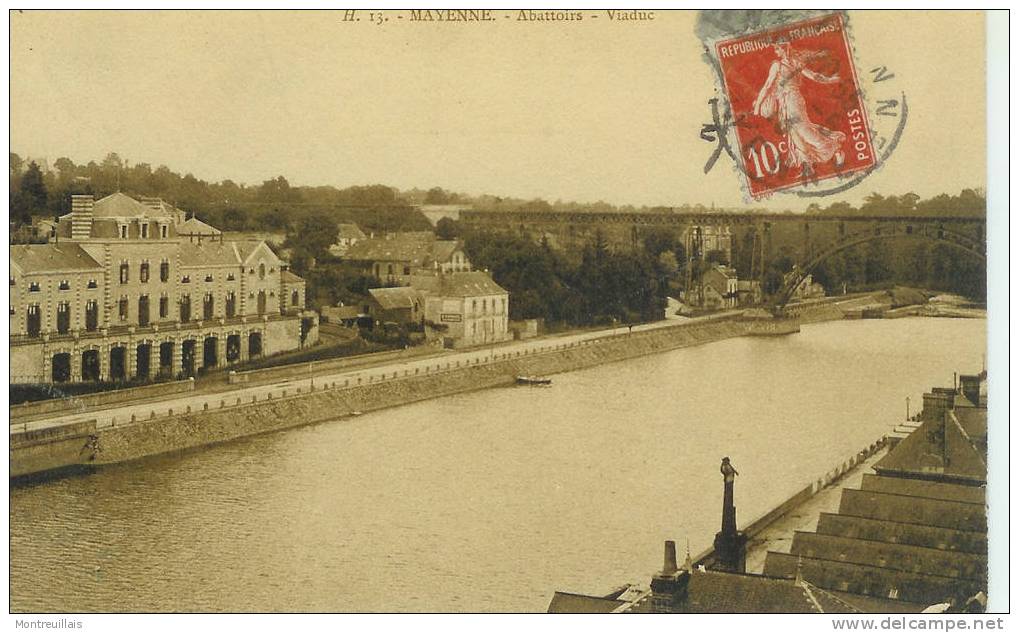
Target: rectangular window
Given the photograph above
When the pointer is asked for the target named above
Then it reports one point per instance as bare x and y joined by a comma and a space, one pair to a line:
162, 233
63, 317
185, 309
33, 320
122, 308
231, 304
125, 272
64, 284
164, 307
91, 316
208, 306
92, 283
143, 273
33, 286
123, 231
143, 310
145, 230
164, 271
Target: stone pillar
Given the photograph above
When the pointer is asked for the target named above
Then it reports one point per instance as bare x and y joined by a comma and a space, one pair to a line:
221, 350
104, 362
130, 359
76, 364
47, 365
244, 347
154, 359
730, 543
176, 366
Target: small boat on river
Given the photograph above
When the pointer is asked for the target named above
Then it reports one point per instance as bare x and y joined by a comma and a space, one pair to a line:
533, 380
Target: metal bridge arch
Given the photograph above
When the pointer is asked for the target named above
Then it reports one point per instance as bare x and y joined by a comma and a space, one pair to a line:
935, 234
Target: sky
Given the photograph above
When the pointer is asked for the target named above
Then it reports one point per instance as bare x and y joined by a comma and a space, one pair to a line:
585, 111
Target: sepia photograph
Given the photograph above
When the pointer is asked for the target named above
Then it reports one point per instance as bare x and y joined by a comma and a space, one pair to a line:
501, 311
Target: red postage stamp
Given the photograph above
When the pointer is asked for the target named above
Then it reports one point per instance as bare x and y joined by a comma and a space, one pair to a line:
797, 110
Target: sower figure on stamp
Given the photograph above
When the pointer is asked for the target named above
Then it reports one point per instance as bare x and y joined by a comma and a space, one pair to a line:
781, 99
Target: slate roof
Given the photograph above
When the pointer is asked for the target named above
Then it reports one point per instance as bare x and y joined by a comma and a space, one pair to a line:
938, 448
472, 284
442, 250
872, 580
563, 602
403, 297
194, 255
52, 257
419, 249
905, 533
350, 231
194, 226
119, 205
719, 592
923, 488
411, 248
245, 248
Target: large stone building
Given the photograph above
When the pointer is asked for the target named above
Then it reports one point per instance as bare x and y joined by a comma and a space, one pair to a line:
118, 293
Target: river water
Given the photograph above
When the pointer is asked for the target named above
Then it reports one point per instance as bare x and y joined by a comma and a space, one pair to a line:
487, 501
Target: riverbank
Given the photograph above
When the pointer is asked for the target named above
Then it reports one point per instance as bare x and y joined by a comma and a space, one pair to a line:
142, 430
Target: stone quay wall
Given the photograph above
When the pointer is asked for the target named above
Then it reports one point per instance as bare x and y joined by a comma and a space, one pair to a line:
289, 407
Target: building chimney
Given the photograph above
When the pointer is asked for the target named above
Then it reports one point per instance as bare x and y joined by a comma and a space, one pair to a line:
730, 543
669, 586
82, 210
670, 566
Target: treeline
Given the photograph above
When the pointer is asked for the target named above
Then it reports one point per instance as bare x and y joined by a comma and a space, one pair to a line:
274, 205
968, 203
905, 262
595, 286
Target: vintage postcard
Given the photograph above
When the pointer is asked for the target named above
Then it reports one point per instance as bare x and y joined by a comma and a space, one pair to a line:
507, 311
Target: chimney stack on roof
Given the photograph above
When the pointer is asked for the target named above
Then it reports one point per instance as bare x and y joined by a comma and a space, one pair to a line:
82, 208
670, 566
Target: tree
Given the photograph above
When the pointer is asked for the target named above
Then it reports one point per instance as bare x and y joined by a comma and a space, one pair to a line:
277, 190
65, 166
31, 196
15, 164
447, 229
314, 235
436, 195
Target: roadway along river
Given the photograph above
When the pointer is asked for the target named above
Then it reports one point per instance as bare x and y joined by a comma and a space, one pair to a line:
486, 501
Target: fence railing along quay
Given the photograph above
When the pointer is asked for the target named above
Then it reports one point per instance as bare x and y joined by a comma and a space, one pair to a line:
382, 376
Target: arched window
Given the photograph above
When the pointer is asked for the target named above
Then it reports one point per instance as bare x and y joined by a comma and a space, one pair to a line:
261, 271
208, 306
295, 298
261, 302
